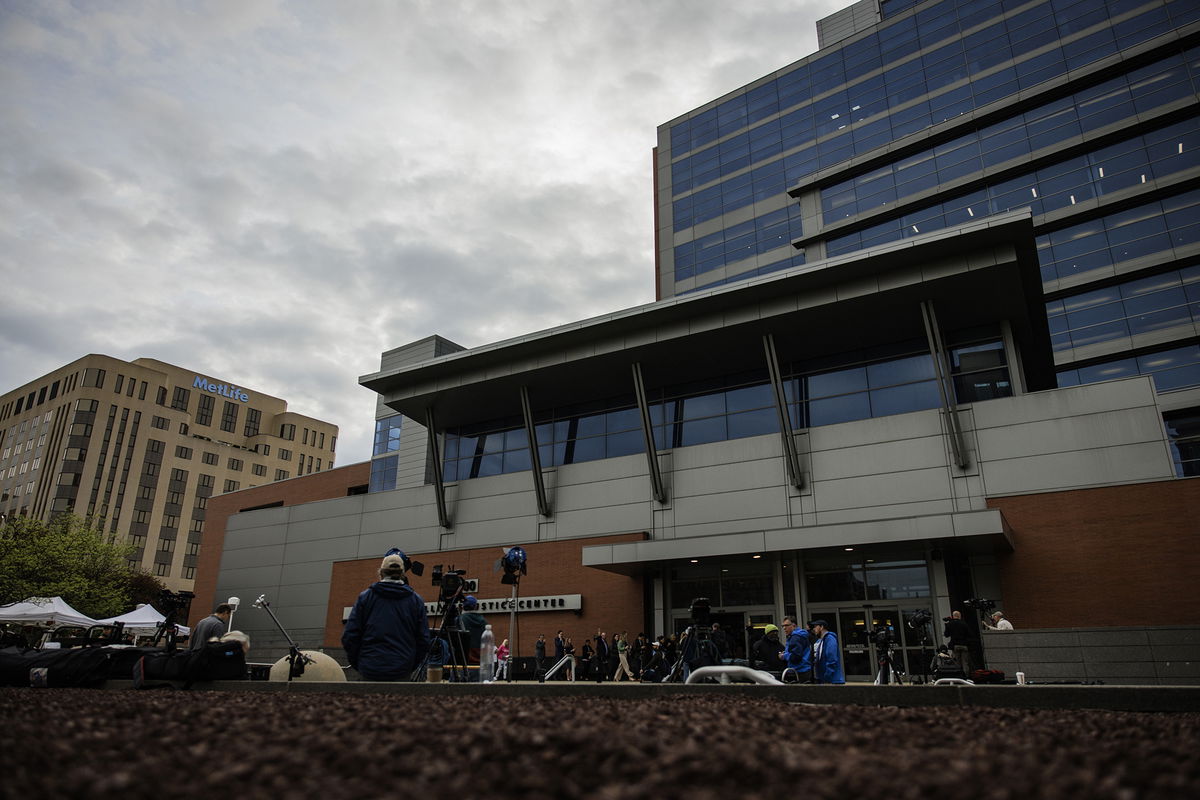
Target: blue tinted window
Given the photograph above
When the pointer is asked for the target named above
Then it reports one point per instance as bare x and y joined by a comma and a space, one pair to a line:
387, 435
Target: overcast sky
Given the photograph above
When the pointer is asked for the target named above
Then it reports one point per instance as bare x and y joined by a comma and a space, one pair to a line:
273, 193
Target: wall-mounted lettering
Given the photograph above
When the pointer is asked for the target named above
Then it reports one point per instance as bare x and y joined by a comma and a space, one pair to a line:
223, 389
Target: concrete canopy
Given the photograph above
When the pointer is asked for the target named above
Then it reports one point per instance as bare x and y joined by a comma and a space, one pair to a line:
978, 274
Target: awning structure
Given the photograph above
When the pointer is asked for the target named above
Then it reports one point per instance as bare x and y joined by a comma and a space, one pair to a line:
972, 531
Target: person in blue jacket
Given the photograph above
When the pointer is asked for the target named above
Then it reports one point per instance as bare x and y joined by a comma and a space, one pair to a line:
387, 634
827, 657
797, 651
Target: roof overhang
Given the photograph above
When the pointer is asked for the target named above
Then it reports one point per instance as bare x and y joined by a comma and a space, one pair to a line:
971, 532
974, 274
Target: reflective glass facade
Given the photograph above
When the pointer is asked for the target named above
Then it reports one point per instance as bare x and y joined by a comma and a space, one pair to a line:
945, 112
851, 386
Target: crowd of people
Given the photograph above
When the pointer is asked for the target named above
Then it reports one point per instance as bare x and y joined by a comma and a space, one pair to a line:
387, 637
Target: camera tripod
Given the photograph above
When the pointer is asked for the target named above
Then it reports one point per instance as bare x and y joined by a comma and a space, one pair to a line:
697, 643
447, 641
889, 670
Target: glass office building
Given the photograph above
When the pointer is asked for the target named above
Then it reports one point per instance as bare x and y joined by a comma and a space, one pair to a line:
916, 117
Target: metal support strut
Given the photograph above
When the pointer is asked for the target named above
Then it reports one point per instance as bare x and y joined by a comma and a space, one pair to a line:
439, 486
945, 388
535, 458
656, 481
790, 455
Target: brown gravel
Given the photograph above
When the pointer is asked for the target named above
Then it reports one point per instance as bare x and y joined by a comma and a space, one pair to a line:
77, 743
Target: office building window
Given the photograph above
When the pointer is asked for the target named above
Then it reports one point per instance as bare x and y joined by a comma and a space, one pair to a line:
322, 444
189, 573
197, 526
383, 474
160, 396
1183, 432
162, 423
229, 415
120, 384
387, 435
162, 570
154, 446
253, 419
179, 475
92, 377
205, 481
260, 469
232, 486
210, 458
180, 398
287, 431
204, 409
281, 475
183, 452
265, 449
235, 464
285, 454
1176, 368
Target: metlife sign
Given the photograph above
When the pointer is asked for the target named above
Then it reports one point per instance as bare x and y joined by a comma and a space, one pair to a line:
223, 389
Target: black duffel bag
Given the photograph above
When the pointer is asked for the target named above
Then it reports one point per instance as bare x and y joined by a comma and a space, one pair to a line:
81, 666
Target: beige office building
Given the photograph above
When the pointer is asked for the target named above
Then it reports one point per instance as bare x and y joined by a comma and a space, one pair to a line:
140, 446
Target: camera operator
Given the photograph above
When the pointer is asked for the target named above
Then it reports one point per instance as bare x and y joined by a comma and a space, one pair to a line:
211, 627
958, 637
471, 621
998, 623
387, 634
797, 653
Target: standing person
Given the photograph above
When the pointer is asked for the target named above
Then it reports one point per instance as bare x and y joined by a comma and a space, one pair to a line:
768, 650
569, 650
797, 650
585, 658
958, 637
721, 640
560, 647
623, 657
211, 627
473, 623
387, 634
826, 656
600, 660
539, 653
502, 653
999, 623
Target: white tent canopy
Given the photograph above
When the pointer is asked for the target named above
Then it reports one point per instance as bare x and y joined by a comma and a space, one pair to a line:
143, 619
40, 610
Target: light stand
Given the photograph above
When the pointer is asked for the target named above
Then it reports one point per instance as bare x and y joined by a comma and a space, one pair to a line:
296, 659
234, 602
513, 562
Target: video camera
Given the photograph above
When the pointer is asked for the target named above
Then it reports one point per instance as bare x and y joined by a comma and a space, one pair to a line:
919, 618
980, 604
450, 582
701, 611
883, 637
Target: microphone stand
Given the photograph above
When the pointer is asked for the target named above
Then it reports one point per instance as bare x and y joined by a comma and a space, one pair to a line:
296, 659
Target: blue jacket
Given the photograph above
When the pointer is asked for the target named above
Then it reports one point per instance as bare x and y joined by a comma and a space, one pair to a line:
828, 669
387, 634
797, 653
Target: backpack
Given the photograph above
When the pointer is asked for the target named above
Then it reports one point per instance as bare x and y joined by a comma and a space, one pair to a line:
987, 676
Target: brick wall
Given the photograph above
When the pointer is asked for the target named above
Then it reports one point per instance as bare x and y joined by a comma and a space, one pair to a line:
317, 486
610, 601
1121, 555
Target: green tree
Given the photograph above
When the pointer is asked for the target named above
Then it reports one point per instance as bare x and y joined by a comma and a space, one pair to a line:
68, 557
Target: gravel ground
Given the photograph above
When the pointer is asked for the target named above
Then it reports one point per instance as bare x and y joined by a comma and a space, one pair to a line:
78, 743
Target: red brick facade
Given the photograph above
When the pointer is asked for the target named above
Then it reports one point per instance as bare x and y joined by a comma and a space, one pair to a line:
1120, 555
611, 602
317, 486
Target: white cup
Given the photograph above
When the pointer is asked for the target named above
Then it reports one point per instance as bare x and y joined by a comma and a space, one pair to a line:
1020, 679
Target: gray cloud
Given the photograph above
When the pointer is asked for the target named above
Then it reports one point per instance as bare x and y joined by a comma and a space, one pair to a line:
276, 192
